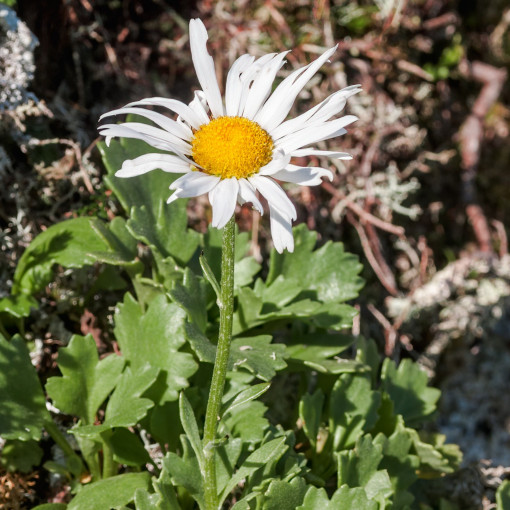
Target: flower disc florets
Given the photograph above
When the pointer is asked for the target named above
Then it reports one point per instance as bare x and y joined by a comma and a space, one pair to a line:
231, 147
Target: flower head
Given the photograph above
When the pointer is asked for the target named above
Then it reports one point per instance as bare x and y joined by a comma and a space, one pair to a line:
234, 148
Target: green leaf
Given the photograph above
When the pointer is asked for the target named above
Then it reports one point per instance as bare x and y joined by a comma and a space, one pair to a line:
435, 457
161, 226
20, 455
128, 449
110, 493
315, 351
163, 487
258, 355
312, 285
122, 245
185, 472
163, 499
346, 497
189, 424
328, 274
72, 243
315, 499
247, 422
352, 408
267, 453
245, 271
356, 467
165, 425
367, 353
154, 336
18, 305
85, 381
21, 397
125, 407
146, 501
359, 468
210, 276
283, 495
201, 345
191, 296
503, 496
407, 386
246, 396
398, 460
226, 457
51, 506
248, 310
310, 413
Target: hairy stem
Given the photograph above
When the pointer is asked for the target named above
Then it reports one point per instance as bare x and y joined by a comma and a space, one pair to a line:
226, 304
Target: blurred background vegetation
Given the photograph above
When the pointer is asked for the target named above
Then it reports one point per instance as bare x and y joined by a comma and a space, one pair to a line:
425, 202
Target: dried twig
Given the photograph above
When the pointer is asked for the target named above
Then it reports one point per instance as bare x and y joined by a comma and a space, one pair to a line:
373, 254
364, 215
77, 153
390, 333
471, 136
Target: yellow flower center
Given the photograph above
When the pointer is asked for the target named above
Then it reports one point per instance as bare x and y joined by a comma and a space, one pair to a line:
231, 147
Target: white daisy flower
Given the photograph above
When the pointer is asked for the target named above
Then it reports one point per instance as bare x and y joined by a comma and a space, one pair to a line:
234, 148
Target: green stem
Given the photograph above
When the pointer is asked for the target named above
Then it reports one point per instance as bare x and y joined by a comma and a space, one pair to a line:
110, 467
226, 304
61, 441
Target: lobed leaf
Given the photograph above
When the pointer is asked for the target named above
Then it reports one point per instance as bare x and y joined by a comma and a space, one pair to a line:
154, 336
85, 382
408, 387
352, 409
21, 397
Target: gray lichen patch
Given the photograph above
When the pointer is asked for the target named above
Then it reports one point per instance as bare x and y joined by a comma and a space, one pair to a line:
17, 44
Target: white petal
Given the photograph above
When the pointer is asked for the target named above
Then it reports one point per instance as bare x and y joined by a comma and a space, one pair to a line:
204, 66
174, 196
320, 113
306, 176
169, 125
199, 106
148, 162
274, 195
262, 85
313, 134
299, 153
183, 110
153, 136
281, 231
247, 193
223, 200
234, 86
247, 77
280, 160
279, 104
194, 184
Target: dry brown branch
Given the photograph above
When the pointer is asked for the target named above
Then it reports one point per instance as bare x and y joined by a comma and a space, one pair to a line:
409, 67
364, 215
77, 153
390, 333
374, 258
448, 18
471, 136
503, 239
